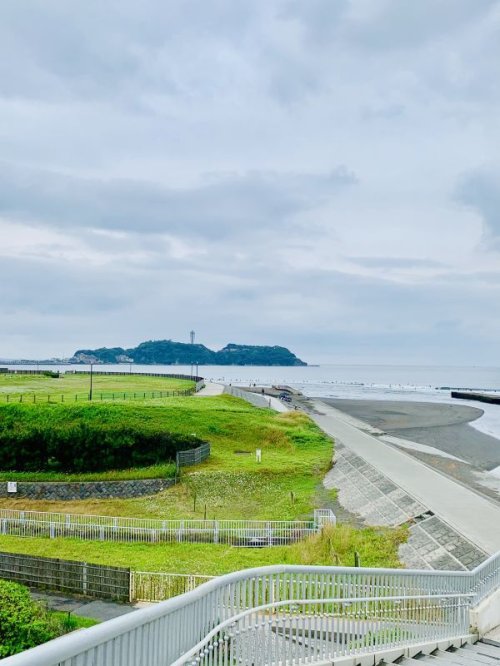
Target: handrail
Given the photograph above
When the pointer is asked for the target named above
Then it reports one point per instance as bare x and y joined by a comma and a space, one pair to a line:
188, 618
302, 602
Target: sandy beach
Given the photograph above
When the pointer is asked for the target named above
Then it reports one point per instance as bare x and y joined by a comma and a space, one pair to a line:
439, 425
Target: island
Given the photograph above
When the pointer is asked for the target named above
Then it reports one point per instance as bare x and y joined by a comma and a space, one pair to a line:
169, 352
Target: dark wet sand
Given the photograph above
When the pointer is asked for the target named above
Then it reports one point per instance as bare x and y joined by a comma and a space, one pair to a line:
443, 426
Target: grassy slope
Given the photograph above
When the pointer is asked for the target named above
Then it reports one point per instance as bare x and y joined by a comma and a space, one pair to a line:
377, 548
295, 456
69, 385
286, 485
166, 470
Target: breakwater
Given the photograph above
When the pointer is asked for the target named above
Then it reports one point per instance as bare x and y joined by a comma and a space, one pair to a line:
480, 397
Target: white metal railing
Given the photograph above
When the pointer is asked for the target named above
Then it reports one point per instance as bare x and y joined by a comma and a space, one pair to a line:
157, 586
286, 632
249, 533
281, 614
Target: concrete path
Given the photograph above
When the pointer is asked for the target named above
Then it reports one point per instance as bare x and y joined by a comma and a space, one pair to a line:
470, 514
210, 389
93, 608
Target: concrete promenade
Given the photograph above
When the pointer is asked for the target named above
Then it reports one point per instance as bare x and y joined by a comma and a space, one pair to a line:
210, 389
469, 513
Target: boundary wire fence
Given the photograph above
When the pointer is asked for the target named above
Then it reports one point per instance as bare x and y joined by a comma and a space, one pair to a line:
97, 396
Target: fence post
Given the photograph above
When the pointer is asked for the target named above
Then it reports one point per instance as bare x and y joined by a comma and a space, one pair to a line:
84, 578
52, 531
131, 586
216, 531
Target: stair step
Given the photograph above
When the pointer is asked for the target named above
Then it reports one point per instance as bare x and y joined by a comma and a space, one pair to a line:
450, 658
483, 648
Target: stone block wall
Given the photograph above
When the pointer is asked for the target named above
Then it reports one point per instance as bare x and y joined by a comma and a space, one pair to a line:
85, 490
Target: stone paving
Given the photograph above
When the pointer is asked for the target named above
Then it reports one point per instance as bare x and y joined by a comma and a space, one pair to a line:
435, 545
366, 492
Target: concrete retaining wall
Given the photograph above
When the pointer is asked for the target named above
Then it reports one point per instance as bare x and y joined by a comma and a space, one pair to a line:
86, 490
486, 616
255, 399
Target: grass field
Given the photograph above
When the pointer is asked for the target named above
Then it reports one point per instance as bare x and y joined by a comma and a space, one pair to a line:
69, 386
336, 546
285, 485
166, 470
72, 622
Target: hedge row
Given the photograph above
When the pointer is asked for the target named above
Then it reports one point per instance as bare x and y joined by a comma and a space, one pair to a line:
24, 623
28, 445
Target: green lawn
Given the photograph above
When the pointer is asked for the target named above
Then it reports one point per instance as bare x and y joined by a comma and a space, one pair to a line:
377, 547
67, 386
285, 485
166, 470
71, 622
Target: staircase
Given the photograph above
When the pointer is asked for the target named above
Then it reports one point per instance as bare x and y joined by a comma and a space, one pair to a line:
467, 655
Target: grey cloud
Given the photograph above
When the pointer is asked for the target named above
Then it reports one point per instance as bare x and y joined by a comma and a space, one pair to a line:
58, 289
396, 262
114, 48
221, 206
404, 25
480, 190
383, 25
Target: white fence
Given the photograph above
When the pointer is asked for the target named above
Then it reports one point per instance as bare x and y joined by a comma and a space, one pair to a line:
243, 533
158, 586
282, 615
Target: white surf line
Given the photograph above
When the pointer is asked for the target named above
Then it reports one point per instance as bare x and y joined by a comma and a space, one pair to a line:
424, 448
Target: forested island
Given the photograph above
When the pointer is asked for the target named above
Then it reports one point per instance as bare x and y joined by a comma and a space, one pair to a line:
169, 352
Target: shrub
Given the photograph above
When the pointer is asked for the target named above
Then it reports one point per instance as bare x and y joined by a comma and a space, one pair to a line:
67, 439
24, 623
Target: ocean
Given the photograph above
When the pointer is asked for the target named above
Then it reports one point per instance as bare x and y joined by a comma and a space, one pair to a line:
368, 382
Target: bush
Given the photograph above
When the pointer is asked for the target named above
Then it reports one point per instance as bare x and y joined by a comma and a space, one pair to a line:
91, 439
24, 623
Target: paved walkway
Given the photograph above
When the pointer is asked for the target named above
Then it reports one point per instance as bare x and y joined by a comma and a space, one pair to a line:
210, 389
470, 514
93, 608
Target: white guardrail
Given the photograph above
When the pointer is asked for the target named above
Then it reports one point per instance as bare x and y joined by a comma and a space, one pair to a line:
281, 615
245, 533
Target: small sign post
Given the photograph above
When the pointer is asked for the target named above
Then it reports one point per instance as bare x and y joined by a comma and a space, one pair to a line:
12, 486
258, 455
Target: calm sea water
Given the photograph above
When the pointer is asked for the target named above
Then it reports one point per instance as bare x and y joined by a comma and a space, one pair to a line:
369, 382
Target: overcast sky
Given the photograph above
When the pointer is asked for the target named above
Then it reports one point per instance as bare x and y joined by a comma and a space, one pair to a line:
321, 174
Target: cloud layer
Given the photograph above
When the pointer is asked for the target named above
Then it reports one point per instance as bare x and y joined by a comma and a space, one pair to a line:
319, 174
